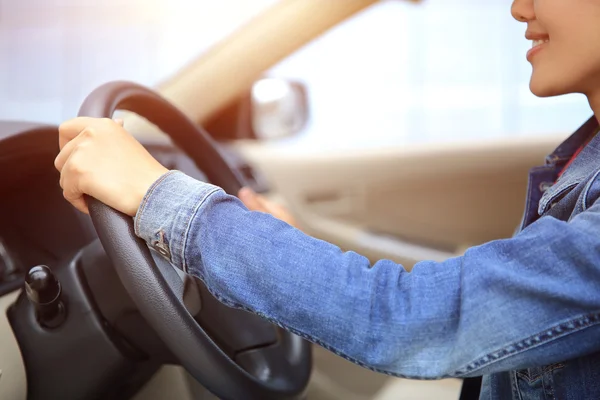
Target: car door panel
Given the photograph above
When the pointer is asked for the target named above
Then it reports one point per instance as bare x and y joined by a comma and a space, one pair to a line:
406, 203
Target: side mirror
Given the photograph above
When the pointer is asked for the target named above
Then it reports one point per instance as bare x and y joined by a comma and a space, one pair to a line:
278, 108
273, 108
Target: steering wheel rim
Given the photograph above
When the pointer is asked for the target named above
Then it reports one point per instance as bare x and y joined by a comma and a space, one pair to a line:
157, 290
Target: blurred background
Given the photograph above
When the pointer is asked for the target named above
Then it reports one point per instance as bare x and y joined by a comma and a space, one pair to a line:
442, 70
411, 114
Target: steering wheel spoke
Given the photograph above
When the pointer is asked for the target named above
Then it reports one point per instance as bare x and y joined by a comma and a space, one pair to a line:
184, 287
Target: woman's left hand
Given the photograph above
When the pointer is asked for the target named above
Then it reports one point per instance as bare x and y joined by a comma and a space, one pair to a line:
256, 202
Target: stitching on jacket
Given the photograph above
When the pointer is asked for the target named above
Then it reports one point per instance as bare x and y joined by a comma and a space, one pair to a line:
188, 225
557, 332
141, 208
548, 335
545, 204
544, 370
586, 190
308, 337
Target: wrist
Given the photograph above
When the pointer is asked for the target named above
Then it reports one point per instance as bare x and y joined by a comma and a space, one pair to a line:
144, 185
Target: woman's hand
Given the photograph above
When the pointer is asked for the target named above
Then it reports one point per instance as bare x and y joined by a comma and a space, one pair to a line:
98, 157
256, 202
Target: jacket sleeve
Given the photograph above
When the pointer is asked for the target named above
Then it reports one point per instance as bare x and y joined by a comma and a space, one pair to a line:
508, 304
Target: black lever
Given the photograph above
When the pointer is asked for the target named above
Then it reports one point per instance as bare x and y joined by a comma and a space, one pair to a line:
44, 292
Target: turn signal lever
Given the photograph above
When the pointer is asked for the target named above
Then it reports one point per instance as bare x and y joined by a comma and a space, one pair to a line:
44, 293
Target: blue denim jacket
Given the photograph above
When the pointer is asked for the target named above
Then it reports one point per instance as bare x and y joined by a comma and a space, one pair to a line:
524, 312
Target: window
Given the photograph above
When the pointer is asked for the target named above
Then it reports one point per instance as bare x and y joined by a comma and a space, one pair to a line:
54, 52
442, 70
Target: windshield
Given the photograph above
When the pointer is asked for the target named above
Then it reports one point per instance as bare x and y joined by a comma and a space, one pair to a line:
405, 72
54, 52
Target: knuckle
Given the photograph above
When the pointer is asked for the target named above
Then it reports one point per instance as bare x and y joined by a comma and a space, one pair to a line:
75, 165
79, 149
70, 194
78, 169
71, 168
89, 133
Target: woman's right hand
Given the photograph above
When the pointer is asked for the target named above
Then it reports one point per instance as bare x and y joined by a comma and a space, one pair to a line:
256, 202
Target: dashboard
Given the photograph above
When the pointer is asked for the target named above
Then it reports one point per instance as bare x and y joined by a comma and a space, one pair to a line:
37, 226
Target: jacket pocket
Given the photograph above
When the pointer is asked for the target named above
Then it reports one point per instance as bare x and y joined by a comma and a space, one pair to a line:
538, 383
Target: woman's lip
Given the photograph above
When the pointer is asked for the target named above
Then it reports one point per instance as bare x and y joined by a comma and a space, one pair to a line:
534, 50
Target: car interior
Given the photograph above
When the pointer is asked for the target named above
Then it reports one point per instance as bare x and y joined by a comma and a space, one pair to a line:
87, 314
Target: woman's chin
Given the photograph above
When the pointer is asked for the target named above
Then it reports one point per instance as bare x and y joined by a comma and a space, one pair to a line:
547, 88
542, 90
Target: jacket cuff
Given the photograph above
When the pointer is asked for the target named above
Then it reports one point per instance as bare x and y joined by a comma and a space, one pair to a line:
163, 218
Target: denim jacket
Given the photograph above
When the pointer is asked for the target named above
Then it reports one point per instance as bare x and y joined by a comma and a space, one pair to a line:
523, 312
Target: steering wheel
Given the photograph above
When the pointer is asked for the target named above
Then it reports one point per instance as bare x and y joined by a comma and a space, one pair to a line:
234, 354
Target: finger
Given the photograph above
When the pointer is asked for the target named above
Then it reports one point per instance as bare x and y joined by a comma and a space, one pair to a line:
72, 194
250, 200
270, 206
79, 203
86, 135
65, 153
72, 176
277, 210
119, 121
69, 130
274, 208
264, 203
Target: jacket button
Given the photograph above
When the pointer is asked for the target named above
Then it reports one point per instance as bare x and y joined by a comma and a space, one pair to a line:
161, 246
162, 252
162, 249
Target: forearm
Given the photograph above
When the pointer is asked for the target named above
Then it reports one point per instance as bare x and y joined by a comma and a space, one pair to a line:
442, 319
370, 314
311, 287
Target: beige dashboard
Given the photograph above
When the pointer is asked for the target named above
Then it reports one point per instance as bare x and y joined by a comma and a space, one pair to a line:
13, 381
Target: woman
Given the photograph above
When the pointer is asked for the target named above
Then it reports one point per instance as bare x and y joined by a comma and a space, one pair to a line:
523, 312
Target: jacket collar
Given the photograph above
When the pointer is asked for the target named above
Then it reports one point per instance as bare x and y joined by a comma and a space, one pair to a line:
580, 168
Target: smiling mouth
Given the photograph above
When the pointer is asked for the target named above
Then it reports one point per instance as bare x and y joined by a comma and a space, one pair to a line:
536, 43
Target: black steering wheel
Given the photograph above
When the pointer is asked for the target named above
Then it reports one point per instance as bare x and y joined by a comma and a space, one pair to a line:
232, 353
